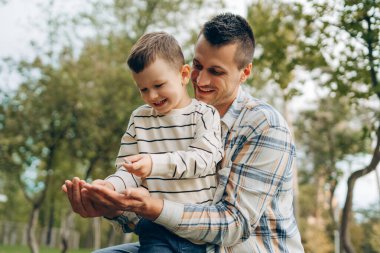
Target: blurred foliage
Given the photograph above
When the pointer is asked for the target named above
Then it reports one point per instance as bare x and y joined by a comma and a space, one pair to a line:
282, 31
68, 114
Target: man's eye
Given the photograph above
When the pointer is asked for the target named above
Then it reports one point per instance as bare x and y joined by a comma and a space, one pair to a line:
215, 72
197, 66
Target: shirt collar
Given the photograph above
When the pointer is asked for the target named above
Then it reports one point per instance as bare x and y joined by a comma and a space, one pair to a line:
234, 110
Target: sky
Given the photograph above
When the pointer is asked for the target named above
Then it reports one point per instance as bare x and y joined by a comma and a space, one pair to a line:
19, 25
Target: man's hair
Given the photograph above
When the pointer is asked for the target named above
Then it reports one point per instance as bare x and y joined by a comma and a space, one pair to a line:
228, 28
153, 45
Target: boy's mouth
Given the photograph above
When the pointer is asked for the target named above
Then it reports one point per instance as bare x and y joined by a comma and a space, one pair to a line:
160, 103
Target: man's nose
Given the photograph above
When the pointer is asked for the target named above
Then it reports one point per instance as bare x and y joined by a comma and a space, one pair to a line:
203, 78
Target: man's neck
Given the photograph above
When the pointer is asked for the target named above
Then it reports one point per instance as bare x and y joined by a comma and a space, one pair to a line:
224, 108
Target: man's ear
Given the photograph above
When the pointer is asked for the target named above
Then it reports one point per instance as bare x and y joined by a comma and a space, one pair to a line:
185, 74
246, 72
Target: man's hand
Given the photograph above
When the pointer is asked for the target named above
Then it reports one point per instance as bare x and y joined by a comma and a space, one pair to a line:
133, 200
81, 202
139, 165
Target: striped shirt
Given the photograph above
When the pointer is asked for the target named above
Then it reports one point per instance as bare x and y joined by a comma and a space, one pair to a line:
252, 208
185, 146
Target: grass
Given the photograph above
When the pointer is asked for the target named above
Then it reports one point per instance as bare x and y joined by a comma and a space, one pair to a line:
25, 249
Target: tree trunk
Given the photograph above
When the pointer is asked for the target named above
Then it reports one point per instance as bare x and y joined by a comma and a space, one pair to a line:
97, 232
32, 241
332, 205
67, 225
319, 200
50, 224
289, 120
378, 183
344, 234
111, 237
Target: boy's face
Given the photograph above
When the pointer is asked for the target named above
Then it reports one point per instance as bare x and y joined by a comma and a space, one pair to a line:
162, 86
215, 74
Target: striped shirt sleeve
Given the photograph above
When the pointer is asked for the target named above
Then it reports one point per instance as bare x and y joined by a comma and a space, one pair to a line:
259, 159
122, 179
202, 155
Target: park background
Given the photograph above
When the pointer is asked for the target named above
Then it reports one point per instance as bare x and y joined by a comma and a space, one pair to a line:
66, 97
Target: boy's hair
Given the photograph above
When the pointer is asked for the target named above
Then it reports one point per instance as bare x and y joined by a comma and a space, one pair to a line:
153, 45
228, 28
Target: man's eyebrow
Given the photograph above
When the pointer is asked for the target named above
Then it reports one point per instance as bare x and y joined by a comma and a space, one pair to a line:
211, 67
217, 67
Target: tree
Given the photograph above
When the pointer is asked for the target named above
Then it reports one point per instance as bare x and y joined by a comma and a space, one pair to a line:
67, 117
353, 72
328, 134
282, 30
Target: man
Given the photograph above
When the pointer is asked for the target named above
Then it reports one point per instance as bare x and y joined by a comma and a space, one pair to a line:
252, 208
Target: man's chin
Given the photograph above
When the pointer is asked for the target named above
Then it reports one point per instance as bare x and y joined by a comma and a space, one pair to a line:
204, 96
204, 99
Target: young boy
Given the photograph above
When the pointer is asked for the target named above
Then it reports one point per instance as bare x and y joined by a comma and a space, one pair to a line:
172, 144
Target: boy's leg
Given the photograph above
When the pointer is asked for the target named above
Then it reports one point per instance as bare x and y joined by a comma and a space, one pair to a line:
122, 248
156, 238
152, 237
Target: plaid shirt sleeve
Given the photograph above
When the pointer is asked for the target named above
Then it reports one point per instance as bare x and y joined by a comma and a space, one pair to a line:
258, 160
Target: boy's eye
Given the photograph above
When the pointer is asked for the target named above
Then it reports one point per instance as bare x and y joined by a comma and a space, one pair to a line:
144, 90
158, 85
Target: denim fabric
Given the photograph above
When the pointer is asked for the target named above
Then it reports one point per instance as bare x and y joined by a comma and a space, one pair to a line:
122, 248
155, 238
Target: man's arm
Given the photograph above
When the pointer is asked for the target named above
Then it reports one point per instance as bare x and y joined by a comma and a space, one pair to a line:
260, 162
258, 167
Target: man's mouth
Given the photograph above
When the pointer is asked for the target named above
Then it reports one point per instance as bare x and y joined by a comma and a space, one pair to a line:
205, 89
160, 103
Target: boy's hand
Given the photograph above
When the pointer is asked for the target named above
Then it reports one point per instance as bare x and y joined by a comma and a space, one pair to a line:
139, 165
103, 183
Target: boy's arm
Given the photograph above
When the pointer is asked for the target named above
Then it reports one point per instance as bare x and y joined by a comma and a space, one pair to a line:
202, 155
122, 179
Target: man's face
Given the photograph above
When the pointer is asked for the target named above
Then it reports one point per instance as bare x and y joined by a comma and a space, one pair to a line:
215, 74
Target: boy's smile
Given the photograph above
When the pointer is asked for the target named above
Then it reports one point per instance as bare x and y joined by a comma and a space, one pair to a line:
162, 86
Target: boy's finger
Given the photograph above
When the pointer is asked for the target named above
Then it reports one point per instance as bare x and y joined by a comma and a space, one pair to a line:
132, 167
133, 158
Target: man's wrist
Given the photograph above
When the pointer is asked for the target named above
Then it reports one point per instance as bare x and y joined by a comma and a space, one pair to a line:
113, 215
151, 209
171, 214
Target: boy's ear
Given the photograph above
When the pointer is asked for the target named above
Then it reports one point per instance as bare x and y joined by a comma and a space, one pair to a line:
185, 74
246, 72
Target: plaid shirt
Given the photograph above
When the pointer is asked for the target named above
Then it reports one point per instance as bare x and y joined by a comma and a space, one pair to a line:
252, 209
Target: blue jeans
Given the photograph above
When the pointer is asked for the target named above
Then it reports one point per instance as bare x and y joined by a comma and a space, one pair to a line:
122, 248
156, 238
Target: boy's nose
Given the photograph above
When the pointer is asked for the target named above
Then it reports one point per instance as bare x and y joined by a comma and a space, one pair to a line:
153, 95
